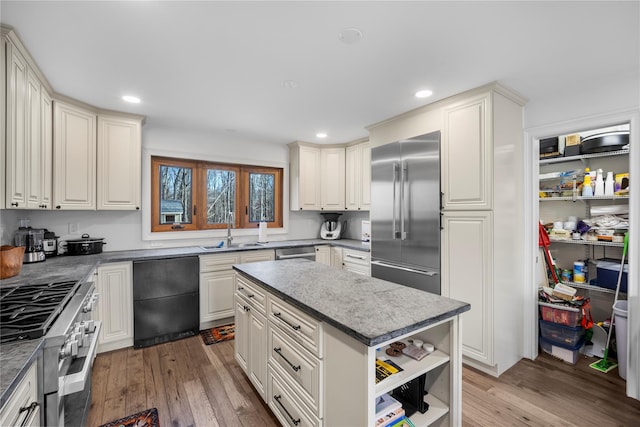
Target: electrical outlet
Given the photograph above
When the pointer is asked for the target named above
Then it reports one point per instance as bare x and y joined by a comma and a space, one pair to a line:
74, 228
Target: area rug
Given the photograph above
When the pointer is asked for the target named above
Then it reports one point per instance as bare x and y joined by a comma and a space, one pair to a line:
218, 334
148, 418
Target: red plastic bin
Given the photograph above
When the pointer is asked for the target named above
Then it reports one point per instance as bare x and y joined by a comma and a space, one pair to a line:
568, 316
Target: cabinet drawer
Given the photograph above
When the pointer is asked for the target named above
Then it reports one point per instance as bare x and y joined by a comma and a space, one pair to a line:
256, 256
252, 293
355, 257
303, 328
24, 395
218, 262
299, 368
281, 399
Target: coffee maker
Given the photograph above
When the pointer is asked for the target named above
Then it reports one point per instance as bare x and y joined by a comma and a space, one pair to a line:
32, 239
331, 228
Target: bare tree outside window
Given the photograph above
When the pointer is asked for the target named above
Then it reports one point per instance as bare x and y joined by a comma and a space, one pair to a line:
175, 194
221, 195
261, 197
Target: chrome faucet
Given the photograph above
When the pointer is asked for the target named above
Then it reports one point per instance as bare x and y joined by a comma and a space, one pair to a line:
229, 225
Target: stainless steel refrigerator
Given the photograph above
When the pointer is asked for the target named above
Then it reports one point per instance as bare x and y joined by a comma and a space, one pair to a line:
405, 212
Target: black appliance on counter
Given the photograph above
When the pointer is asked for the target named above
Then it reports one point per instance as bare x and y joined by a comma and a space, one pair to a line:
166, 300
60, 313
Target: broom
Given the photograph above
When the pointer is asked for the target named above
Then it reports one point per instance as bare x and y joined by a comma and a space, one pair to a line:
605, 365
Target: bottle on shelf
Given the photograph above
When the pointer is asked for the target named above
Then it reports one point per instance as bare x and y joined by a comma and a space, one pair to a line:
609, 184
587, 191
599, 188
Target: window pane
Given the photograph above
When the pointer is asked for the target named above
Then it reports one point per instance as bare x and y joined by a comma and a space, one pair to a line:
221, 195
262, 197
175, 195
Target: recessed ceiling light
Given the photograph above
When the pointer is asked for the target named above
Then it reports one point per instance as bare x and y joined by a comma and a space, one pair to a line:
321, 135
131, 99
350, 36
423, 93
289, 84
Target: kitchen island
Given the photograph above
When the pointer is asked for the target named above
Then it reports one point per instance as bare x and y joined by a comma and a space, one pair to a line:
308, 336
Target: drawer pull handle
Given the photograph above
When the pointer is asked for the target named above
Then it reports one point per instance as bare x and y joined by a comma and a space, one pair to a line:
279, 316
246, 308
277, 398
32, 407
279, 351
356, 257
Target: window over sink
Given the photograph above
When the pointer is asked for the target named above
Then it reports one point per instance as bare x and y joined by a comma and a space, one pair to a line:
195, 195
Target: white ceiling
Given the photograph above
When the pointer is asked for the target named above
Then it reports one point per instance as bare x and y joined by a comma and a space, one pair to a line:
212, 66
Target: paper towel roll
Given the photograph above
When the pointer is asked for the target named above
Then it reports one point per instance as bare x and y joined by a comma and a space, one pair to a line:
262, 232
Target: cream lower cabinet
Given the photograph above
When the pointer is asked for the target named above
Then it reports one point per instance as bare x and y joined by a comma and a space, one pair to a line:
323, 254
318, 375
336, 256
356, 261
119, 166
115, 306
251, 332
468, 276
217, 282
22, 408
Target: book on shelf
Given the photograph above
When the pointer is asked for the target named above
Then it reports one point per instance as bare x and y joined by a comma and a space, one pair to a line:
385, 403
386, 368
390, 418
404, 421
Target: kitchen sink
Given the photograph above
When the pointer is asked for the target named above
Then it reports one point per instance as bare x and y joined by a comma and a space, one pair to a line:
233, 245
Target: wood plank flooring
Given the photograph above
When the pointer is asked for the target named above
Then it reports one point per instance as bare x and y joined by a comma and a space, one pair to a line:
193, 384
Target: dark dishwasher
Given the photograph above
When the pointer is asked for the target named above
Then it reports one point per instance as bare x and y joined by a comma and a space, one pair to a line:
166, 302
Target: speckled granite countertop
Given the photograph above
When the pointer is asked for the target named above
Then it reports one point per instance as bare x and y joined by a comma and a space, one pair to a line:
15, 358
15, 361
368, 309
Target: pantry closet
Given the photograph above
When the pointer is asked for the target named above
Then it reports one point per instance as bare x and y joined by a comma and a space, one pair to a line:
585, 233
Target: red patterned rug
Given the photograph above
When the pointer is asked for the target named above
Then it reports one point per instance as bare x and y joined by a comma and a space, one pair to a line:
148, 418
218, 334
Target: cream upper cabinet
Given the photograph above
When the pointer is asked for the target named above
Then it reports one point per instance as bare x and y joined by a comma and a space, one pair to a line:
332, 178
304, 177
467, 178
74, 166
358, 176
119, 163
27, 117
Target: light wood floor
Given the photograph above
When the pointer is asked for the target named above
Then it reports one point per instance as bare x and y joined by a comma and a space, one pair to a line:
193, 384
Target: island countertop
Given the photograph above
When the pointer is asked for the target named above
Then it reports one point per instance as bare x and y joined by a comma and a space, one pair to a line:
368, 309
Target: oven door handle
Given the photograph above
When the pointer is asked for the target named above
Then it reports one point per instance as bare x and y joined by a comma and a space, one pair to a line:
74, 383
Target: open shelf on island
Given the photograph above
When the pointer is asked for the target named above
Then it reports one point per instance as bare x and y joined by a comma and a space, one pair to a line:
411, 369
437, 410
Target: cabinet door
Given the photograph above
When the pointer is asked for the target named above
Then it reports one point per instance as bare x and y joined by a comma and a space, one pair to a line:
35, 155
309, 178
353, 178
119, 166
216, 295
241, 338
258, 351
365, 173
16, 150
336, 257
467, 178
115, 306
332, 178
467, 275
46, 129
323, 255
74, 166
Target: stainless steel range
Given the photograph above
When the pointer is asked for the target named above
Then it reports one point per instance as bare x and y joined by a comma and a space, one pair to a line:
62, 314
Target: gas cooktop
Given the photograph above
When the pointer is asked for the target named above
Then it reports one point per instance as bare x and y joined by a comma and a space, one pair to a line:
28, 311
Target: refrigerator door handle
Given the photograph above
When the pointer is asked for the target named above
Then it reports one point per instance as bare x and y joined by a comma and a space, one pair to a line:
394, 232
403, 207
412, 270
